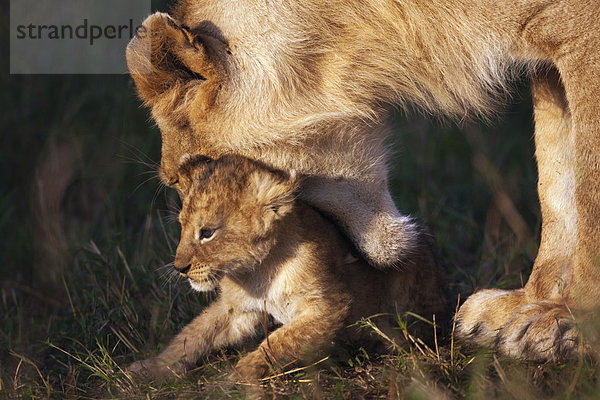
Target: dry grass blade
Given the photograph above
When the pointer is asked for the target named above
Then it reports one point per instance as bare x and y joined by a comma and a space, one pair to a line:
22, 358
453, 328
124, 339
295, 370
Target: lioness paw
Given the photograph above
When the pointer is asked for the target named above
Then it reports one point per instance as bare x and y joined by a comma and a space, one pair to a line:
485, 312
387, 239
539, 331
506, 321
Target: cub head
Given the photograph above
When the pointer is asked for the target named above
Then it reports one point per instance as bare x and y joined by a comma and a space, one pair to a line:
232, 208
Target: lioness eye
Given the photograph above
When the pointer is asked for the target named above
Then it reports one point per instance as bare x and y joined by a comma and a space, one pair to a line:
206, 233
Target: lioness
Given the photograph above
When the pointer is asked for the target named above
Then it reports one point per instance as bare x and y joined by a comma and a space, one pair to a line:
309, 85
243, 231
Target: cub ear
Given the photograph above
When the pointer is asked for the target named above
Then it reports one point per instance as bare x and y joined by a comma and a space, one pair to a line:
274, 190
190, 167
164, 53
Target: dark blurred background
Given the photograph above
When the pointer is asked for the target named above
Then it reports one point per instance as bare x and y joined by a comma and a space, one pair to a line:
81, 204
75, 158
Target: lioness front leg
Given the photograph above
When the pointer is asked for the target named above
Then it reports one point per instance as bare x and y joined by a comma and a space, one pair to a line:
566, 273
533, 322
218, 326
368, 215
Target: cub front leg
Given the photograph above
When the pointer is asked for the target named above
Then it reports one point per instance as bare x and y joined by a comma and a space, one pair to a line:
312, 331
221, 324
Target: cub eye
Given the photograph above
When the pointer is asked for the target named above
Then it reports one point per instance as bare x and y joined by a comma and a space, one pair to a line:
205, 233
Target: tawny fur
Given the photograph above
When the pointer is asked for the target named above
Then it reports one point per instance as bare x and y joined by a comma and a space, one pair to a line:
308, 85
272, 254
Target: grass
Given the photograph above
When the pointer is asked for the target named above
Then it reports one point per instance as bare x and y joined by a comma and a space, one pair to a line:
88, 235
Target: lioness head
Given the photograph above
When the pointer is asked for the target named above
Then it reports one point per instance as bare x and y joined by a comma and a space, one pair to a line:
178, 72
216, 85
230, 216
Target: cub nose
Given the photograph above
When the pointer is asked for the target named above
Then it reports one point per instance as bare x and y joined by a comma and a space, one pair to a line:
183, 270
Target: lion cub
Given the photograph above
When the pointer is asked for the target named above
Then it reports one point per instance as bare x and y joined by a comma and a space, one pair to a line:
244, 232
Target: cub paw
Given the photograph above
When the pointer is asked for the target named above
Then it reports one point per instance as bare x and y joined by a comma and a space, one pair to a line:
154, 368
253, 366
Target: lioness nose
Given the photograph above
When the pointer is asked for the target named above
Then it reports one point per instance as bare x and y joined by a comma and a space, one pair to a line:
185, 269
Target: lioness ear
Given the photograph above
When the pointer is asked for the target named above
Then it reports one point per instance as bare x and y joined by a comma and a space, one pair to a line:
275, 191
164, 53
